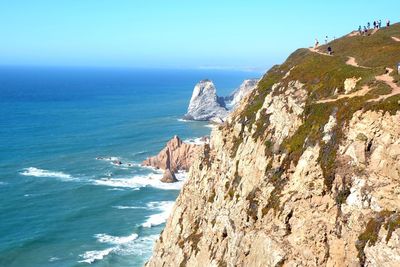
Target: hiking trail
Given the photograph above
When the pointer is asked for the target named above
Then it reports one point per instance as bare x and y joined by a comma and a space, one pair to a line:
386, 78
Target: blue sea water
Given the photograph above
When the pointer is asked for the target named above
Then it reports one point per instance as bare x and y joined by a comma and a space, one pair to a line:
59, 205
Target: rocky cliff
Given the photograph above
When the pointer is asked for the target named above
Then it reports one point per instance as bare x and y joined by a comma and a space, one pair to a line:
305, 172
244, 89
205, 105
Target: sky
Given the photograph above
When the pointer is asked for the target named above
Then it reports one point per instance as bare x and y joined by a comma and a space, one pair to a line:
233, 34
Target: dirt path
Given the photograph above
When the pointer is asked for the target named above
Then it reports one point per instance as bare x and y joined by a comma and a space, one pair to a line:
396, 39
386, 78
313, 49
352, 62
389, 80
365, 89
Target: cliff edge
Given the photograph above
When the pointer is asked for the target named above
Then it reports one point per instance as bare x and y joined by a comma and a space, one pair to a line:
306, 170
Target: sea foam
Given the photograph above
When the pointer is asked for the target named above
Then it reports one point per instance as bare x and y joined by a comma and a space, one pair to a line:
116, 240
95, 255
36, 172
159, 218
125, 245
139, 181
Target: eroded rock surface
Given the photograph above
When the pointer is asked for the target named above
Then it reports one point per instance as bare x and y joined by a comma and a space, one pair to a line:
177, 155
205, 105
244, 89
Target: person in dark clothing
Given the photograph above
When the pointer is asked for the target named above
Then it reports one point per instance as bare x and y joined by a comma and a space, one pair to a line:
330, 52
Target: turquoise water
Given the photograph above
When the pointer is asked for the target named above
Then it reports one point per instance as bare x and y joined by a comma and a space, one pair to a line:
59, 205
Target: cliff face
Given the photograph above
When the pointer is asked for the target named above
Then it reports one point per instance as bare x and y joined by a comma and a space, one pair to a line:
304, 172
244, 89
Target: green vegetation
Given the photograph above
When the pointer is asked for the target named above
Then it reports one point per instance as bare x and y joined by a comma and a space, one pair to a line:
378, 50
323, 77
371, 232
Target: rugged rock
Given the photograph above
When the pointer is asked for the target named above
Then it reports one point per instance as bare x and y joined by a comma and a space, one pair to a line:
205, 105
292, 181
245, 88
177, 155
169, 177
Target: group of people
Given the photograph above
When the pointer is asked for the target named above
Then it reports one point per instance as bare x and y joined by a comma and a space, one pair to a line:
377, 25
362, 30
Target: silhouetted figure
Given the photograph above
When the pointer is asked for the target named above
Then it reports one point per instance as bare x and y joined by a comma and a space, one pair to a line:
387, 23
330, 52
316, 43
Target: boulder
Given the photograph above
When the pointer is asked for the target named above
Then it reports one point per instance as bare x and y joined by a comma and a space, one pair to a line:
169, 177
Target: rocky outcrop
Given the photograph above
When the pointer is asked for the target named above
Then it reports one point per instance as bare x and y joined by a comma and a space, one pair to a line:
245, 88
168, 177
292, 181
205, 105
177, 155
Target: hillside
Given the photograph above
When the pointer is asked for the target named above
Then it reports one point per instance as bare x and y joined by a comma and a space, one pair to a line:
305, 172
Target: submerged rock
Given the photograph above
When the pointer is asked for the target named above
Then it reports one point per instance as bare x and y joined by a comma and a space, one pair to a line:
169, 177
205, 105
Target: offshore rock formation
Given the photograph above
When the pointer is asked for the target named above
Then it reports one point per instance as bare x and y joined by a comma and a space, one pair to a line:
205, 105
289, 180
168, 177
245, 88
177, 155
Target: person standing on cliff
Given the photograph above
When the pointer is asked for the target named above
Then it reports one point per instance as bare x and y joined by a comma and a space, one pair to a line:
316, 43
387, 23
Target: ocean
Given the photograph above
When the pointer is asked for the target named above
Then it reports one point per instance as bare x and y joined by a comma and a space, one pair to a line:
62, 201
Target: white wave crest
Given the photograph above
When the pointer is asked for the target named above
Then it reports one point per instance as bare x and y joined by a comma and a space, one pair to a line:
36, 172
128, 207
195, 141
95, 255
159, 218
116, 240
129, 245
139, 181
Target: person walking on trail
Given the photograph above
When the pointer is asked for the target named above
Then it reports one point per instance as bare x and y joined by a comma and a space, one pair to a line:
365, 30
387, 23
316, 43
380, 23
374, 24
330, 52
359, 30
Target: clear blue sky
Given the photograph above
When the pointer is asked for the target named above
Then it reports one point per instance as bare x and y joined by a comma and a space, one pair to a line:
172, 33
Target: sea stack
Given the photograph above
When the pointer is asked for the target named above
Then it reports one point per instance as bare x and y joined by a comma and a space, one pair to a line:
176, 156
169, 177
205, 105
